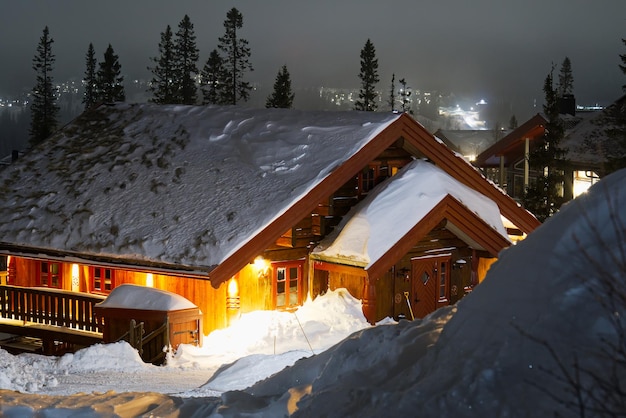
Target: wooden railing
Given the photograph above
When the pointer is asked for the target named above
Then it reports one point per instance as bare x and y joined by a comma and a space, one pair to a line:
50, 307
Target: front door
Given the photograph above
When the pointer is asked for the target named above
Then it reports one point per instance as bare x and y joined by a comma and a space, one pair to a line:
430, 284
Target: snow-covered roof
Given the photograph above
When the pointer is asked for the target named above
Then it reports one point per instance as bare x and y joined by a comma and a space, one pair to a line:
378, 222
589, 141
177, 185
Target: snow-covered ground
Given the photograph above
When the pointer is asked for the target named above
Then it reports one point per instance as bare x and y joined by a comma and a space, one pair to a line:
531, 340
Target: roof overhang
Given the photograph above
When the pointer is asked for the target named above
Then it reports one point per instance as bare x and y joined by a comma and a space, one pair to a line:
145, 266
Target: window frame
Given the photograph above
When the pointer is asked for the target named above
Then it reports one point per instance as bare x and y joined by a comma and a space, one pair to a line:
93, 270
49, 274
287, 266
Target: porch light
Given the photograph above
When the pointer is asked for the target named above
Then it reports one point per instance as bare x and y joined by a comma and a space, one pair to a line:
75, 278
261, 266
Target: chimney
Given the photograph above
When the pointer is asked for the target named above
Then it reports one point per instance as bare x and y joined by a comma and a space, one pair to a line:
567, 105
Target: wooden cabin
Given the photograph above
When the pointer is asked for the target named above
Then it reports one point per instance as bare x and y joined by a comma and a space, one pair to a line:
224, 206
589, 146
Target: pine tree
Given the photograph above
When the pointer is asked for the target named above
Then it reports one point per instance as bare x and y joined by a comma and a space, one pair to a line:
90, 96
236, 60
282, 96
186, 62
544, 197
44, 108
211, 79
110, 80
369, 79
392, 93
164, 83
566, 79
513, 122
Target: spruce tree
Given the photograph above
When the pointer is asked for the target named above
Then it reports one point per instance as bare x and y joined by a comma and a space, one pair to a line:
186, 62
566, 79
369, 79
44, 108
392, 93
90, 96
513, 122
236, 60
282, 96
211, 79
110, 80
544, 196
164, 82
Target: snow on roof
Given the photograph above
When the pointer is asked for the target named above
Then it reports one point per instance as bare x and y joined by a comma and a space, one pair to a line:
589, 140
184, 185
375, 224
129, 296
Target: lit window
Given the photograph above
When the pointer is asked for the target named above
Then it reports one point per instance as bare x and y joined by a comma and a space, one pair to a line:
102, 279
49, 274
288, 284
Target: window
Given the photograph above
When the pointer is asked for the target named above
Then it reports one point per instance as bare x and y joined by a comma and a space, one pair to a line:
367, 179
443, 282
376, 172
49, 274
102, 279
287, 284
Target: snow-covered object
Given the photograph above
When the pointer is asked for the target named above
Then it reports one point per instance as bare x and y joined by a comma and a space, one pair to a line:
130, 296
378, 222
180, 185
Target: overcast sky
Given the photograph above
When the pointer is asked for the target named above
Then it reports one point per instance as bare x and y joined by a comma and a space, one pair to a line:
487, 48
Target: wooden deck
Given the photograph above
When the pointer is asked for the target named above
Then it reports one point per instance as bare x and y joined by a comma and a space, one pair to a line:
62, 320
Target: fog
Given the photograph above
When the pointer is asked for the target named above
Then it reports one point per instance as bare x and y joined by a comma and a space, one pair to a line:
485, 48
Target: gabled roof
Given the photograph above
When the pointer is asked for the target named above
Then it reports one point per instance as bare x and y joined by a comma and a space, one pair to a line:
378, 230
199, 190
512, 145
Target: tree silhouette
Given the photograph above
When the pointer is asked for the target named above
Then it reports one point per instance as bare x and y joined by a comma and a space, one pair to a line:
369, 79
165, 81
110, 80
90, 96
186, 62
282, 96
44, 108
211, 80
544, 197
236, 60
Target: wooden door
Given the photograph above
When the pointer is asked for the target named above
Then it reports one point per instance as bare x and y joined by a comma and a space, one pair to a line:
430, 284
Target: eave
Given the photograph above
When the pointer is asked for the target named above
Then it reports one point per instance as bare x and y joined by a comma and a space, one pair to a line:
104, 261
454, 212
418, 141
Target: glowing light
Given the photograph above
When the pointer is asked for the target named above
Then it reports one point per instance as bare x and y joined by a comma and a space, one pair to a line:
75, 276
261, 265
149, 280
233, 288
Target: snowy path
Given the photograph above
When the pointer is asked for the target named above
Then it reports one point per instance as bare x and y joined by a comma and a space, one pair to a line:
160, 380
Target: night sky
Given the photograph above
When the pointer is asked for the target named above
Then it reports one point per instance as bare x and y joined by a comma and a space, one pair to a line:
485, 48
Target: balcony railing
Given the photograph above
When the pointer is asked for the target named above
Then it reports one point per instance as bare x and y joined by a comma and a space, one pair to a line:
50, 307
